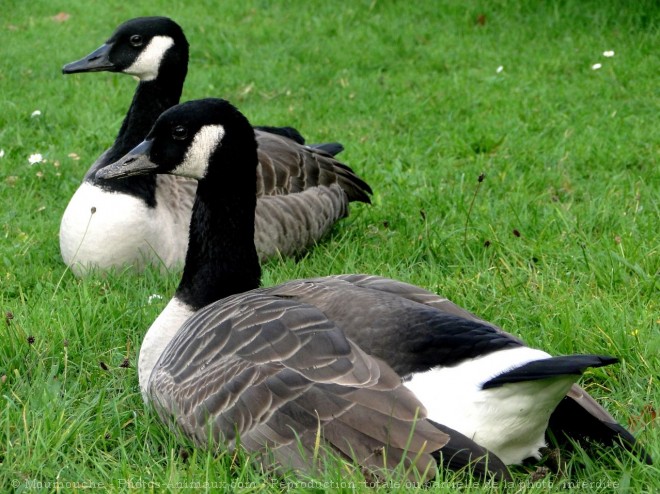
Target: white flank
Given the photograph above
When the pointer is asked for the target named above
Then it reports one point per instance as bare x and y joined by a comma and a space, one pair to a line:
196, 161
158, 337
148, 63
106, 229
509, 420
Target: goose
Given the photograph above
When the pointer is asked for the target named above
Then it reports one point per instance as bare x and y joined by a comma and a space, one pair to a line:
358, 356
141, 220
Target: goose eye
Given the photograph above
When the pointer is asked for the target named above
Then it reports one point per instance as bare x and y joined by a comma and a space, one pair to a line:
179, 133
136, 40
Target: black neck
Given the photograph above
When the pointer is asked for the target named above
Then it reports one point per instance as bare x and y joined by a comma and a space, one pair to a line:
221, 259
150, 100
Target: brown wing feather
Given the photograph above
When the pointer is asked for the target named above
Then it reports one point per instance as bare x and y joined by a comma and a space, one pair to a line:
267, 371
415, 294
286, 167
289, 224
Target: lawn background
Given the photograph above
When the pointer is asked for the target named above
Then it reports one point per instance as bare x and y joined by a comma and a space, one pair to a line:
559, 243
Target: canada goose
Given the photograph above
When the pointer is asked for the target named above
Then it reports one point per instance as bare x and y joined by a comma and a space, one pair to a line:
145, 219
346, 350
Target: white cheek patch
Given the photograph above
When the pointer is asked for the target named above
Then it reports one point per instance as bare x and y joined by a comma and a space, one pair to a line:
147, 64
196, 161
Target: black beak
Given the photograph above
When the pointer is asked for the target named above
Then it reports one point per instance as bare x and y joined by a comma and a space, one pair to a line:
136, 162
97, 61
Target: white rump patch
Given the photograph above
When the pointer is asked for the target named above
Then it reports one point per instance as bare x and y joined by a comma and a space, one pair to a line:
196, 162
148, 63
510, 420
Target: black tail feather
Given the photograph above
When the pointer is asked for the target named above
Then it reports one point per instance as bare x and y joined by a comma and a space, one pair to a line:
331, 148
549, 368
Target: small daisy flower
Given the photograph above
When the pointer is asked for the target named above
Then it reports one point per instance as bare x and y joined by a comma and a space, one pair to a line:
608, 53
500, 69
596, 66
153, 297
36, 113
35, 158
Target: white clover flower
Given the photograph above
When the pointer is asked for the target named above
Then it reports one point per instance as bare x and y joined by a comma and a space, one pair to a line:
153, 297
36, 113
608, 53
35, 158
500, 69
596, 66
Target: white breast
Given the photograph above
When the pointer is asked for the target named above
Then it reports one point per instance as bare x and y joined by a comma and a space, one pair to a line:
158, 337
108, 229
509, 420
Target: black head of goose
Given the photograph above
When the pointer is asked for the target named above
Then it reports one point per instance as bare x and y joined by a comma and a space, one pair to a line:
108, 224
358, 353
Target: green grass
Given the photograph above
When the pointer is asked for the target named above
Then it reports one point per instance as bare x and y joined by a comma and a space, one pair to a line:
559, 244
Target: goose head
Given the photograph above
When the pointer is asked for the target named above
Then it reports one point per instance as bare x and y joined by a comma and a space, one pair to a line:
189, 137
145, 47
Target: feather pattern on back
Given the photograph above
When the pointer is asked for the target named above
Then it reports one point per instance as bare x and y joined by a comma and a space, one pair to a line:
268, 371
286, 167
286, 225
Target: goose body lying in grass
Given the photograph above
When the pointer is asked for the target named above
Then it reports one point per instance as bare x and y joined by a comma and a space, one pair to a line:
363, 356
145, 219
